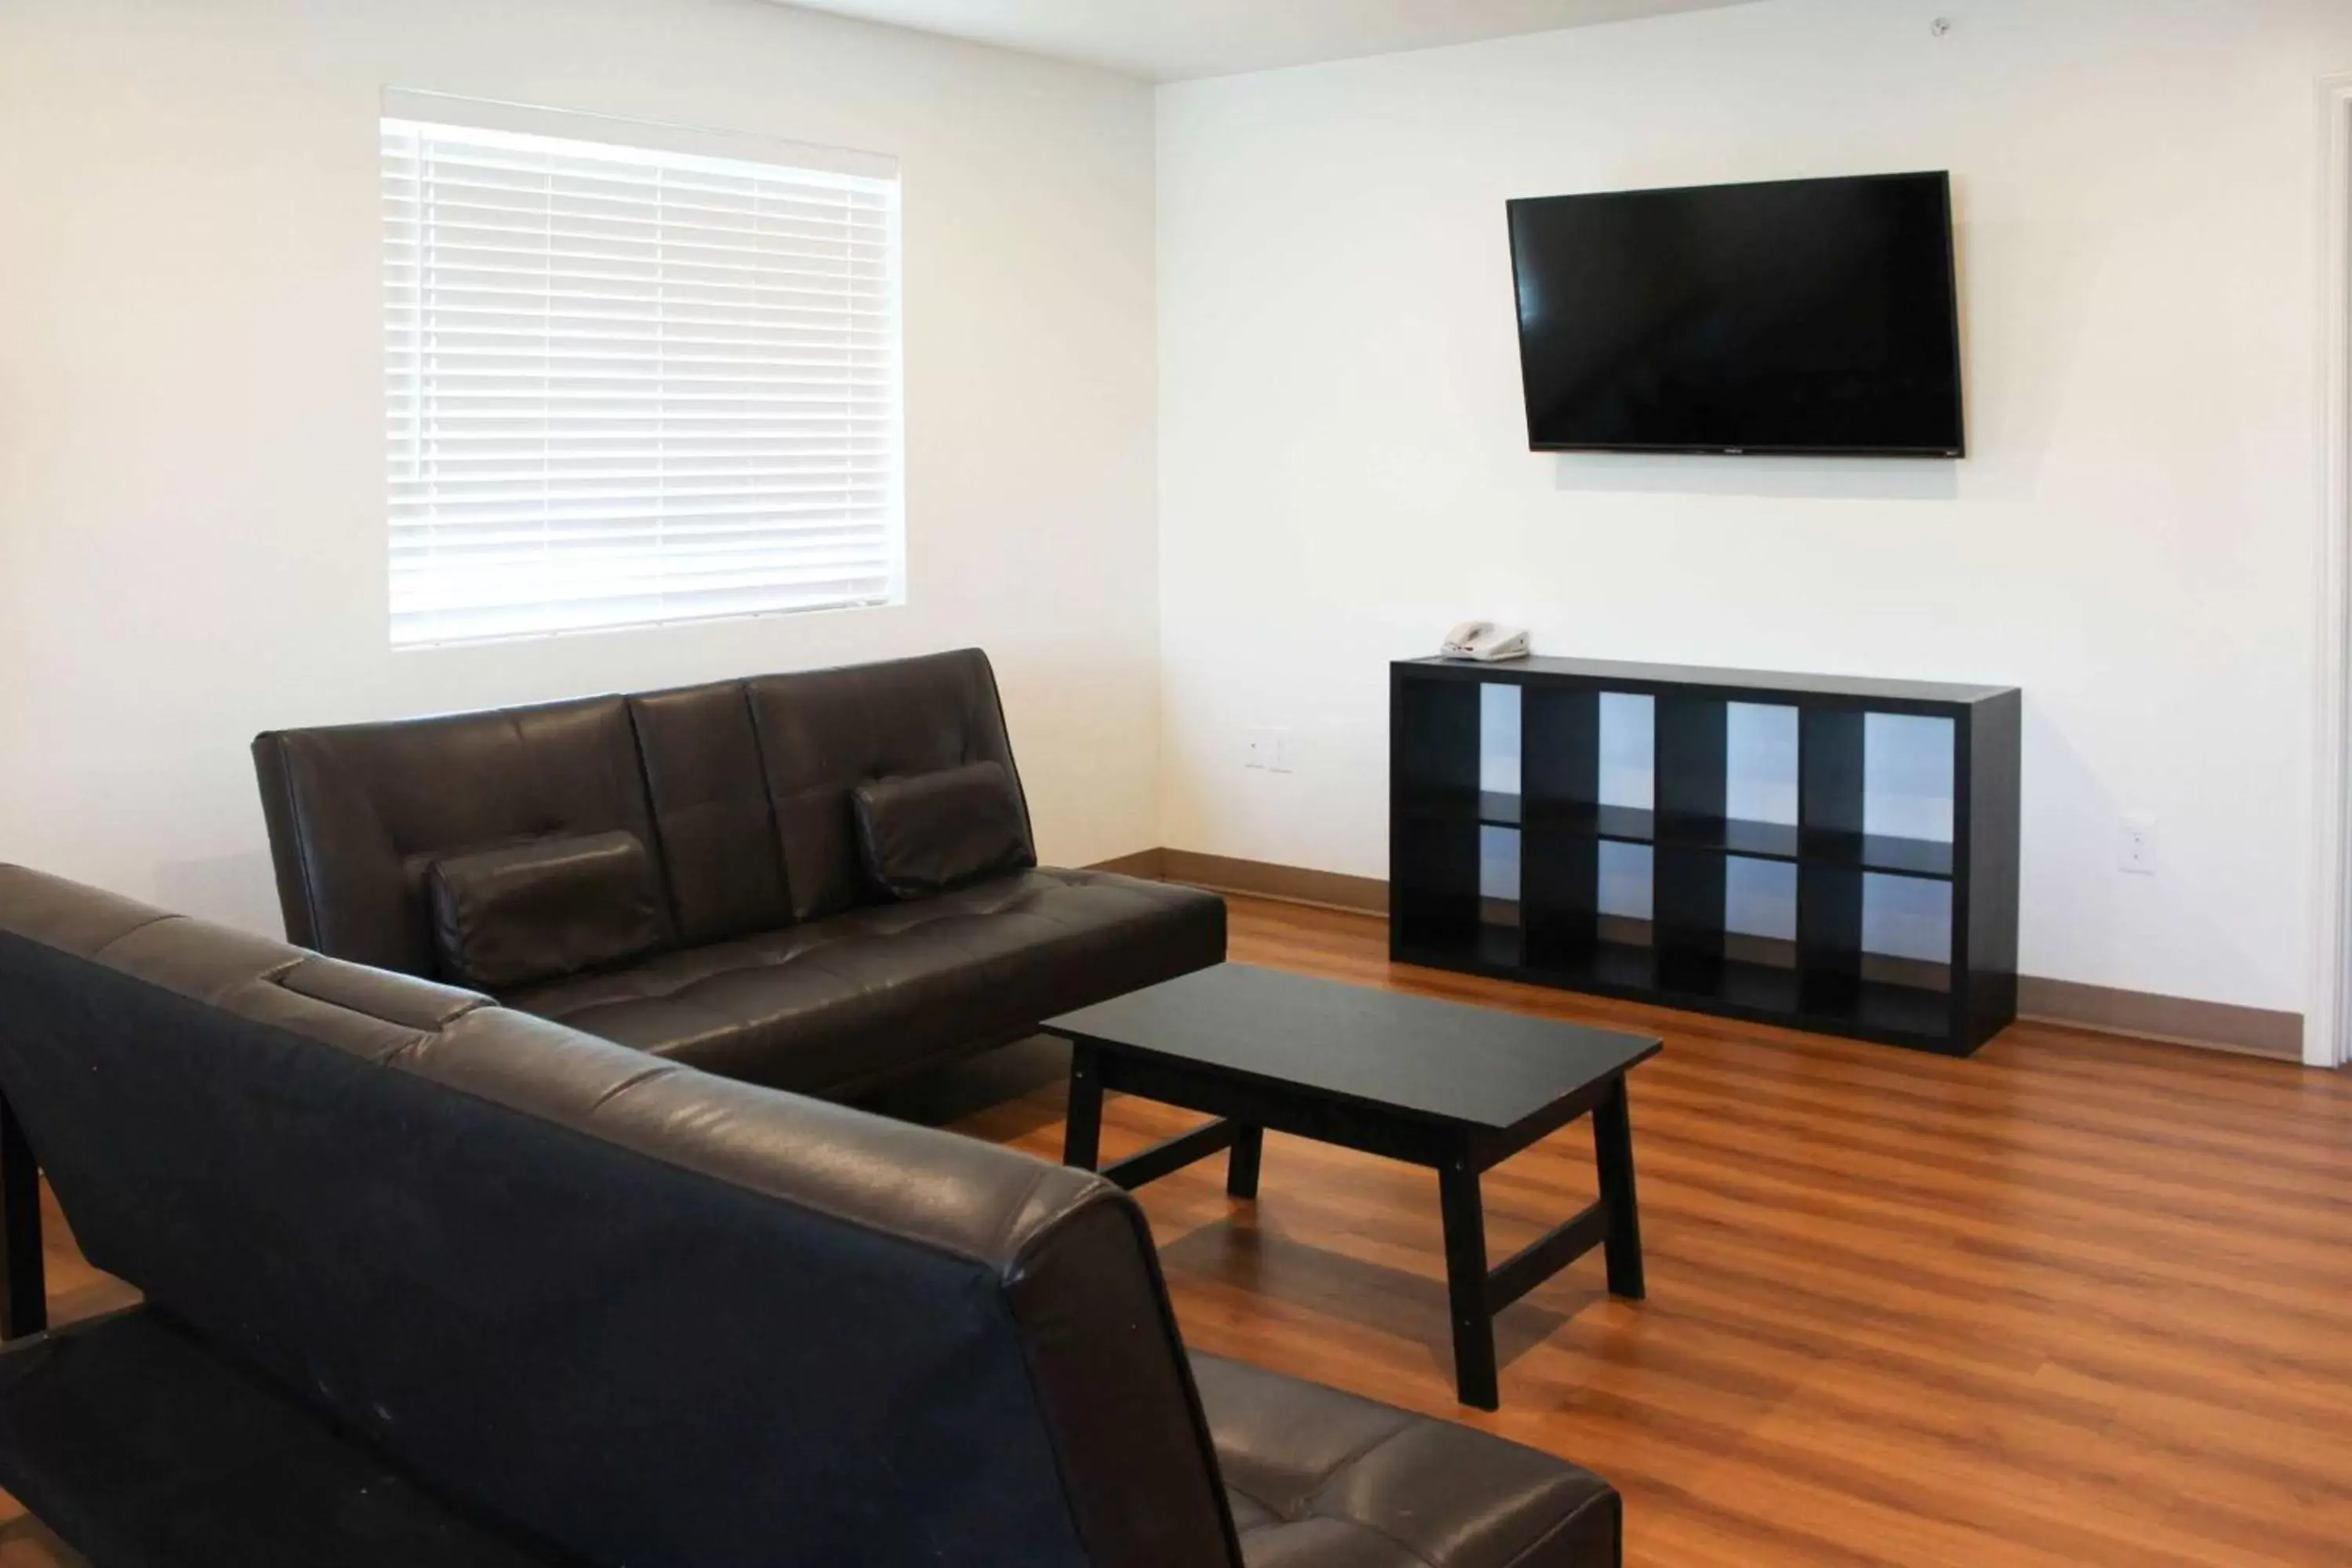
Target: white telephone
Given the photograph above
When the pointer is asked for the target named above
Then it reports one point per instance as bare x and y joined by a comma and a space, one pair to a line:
1485, 642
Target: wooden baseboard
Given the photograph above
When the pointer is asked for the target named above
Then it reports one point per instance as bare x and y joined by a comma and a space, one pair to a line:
1144, 863
2181, 1020
1262, 880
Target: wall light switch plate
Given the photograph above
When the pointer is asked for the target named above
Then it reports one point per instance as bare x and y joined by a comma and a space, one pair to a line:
1258, 751
2135, 852
1281, 759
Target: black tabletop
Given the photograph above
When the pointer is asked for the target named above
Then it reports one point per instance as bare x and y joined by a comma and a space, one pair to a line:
1474, 1066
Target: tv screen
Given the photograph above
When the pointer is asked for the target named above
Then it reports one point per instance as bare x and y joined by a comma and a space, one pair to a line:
1804, 316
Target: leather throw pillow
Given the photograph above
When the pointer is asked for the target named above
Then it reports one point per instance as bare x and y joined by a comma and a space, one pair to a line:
522, 914
925, 832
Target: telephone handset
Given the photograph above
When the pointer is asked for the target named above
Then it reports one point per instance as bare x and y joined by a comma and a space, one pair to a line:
1485, 642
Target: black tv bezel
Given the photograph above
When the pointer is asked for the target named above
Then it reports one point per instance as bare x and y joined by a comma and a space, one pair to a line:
1952, 277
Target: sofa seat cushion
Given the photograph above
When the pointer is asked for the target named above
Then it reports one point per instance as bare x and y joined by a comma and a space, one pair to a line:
836, 1004
1319, 1478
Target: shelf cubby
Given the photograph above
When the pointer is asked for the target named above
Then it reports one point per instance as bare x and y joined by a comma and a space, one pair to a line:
1733, 835
1833, 962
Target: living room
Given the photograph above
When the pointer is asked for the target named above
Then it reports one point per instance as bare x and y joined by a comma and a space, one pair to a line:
1179, 374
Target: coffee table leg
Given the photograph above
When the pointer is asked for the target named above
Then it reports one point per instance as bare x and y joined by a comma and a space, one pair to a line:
1465, 1285
1241, 1165
1082, 1132
1613, 1146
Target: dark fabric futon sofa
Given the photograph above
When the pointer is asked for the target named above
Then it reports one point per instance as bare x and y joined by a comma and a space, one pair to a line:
432, 1283
685, 871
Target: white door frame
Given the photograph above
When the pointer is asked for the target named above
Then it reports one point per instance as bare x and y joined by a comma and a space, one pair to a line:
2327, 1024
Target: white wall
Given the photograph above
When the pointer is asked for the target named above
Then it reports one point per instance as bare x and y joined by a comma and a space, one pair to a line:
1344, 471
190, 492
192, 499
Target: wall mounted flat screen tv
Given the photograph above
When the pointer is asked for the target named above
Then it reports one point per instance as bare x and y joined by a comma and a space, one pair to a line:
1800, 316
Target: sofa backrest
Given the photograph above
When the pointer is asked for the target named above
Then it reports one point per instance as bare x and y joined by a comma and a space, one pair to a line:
709, 795
357, 812
825, 731
739, 789
655, 1317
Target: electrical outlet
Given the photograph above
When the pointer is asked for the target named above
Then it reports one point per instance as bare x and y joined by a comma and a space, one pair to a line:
2135, 852
1268, 748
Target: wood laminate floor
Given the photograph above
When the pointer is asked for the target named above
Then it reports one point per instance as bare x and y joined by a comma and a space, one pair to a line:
2079, 1300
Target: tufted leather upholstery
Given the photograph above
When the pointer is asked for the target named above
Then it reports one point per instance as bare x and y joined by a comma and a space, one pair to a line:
709, 799
1319, 1478
777, 959
825, 731
830, 1006
357, 812
649, 1316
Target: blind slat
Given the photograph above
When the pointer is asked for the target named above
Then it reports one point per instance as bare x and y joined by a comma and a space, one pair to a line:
622, 389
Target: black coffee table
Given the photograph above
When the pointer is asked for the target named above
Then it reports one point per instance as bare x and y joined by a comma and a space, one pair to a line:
1457, 1089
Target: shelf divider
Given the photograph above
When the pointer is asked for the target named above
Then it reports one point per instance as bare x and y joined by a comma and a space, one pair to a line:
1829, 891
1692, 756
1559, 780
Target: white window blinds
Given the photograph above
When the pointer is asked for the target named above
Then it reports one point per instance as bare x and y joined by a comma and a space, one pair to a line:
630, 385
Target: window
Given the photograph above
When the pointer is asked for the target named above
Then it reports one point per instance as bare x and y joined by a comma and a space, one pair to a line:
632, 381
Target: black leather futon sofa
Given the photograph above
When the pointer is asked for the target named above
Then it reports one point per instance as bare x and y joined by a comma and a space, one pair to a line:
818, 881
430, 1282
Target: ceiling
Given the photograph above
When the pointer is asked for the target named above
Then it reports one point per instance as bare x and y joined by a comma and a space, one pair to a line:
1174, 40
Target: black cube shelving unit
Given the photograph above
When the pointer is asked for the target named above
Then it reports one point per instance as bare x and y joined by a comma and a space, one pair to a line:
1684, 954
